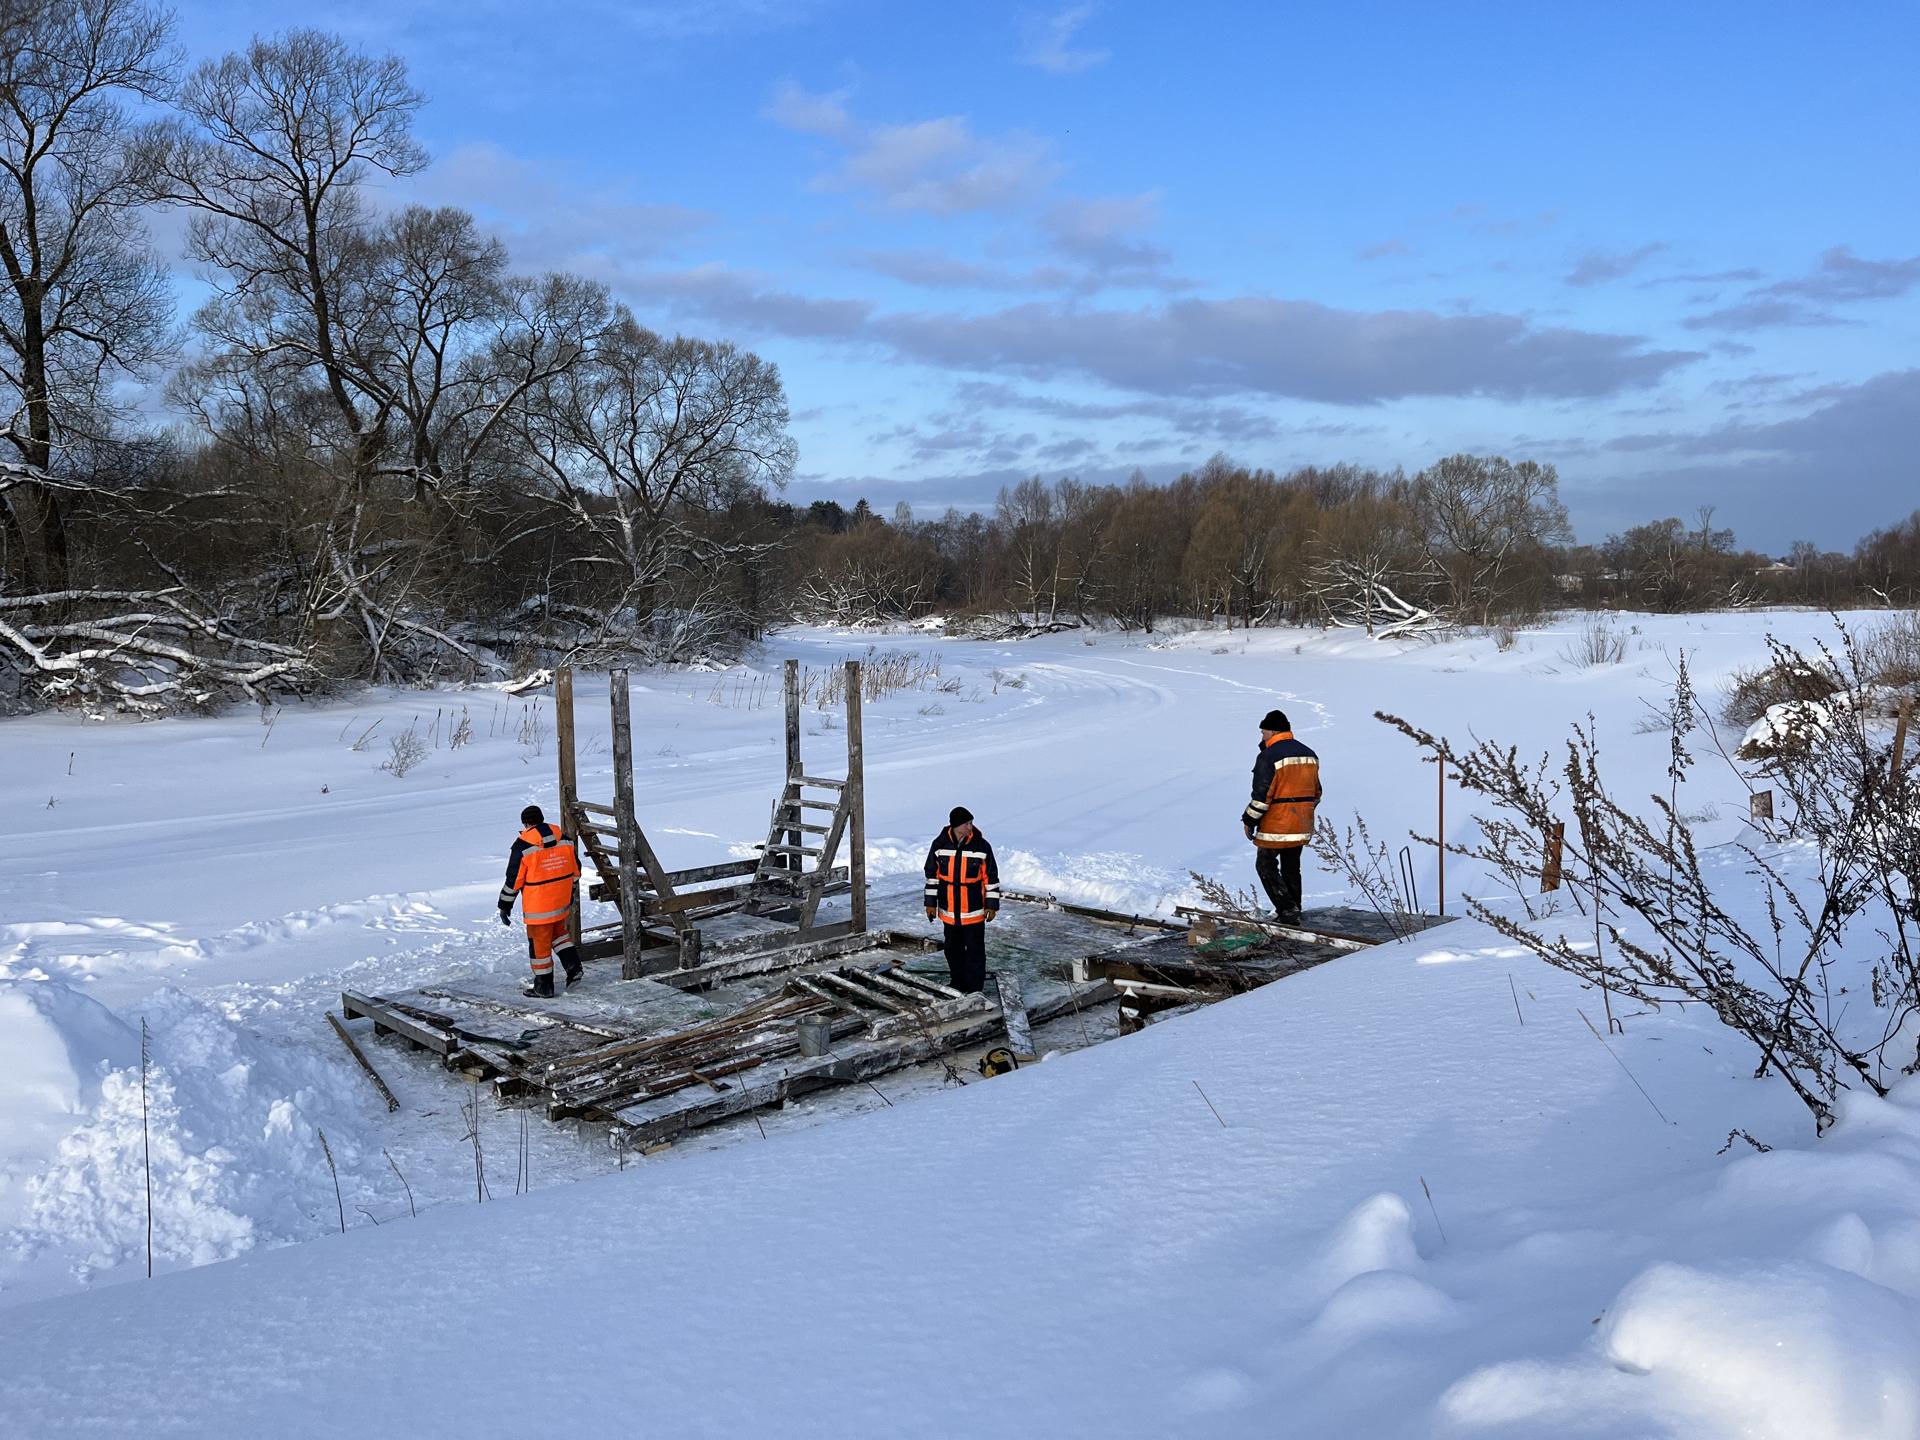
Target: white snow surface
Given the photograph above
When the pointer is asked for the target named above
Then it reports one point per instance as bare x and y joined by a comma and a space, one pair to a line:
1433, 1200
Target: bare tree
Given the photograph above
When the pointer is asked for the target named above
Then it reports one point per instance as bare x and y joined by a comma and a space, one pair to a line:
1481, 517
84, 300
642, 438
272, 151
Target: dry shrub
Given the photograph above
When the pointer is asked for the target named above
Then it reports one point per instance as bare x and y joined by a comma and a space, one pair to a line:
1890, 653
1598, 644
1751, 693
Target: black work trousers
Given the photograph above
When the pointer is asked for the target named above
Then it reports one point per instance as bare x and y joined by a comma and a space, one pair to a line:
967, 957
1279, 872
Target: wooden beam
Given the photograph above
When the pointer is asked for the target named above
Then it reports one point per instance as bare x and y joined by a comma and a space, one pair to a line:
429, 1037
594, 807
726, 870
790, 690
569, 780
621, 701
1274, 927
738, 967
1092, 912
353, 1048
1013, 1010
856, 799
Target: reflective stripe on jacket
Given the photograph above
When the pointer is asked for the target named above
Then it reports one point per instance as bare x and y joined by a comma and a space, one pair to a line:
541, 869
1286, 787
963, 880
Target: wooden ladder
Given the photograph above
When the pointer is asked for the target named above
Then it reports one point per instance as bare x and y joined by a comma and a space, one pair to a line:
783, 877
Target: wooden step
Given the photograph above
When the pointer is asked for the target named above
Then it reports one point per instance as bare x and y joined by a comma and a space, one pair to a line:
823, 783
789, 850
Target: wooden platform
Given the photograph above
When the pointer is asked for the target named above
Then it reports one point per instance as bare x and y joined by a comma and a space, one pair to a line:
676, 1050
666, 1054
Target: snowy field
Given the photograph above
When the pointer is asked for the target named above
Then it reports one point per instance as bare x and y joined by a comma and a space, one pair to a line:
1433, 1201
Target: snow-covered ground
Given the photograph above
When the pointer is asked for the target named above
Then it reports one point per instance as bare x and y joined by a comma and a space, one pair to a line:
1433, 1201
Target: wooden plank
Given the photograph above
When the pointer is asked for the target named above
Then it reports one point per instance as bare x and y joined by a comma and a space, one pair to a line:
1013, 1009
791, 693
720, 971
1274, 927
1092, 912
724, 896
857, 800
627, 896
524, 1012
563, 748
598, 809
865, 994
779, 939
428, 1037
819, 804
929, 984
808, 984
819, 782
699, 874
790, 849
353, 1048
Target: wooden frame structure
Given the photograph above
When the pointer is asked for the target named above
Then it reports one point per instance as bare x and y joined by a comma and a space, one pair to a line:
661, 910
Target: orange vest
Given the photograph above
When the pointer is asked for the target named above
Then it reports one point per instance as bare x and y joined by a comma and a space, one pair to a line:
547, 872
1287, 822
962, 878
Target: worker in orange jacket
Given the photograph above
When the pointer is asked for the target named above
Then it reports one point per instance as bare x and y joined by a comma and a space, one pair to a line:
543, 872
963, 889
1279, 818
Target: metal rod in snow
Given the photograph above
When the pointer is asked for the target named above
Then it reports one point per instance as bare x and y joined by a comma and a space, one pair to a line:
1440, 765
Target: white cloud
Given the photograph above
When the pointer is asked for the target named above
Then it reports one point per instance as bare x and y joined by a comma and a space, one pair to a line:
937, 167
1047, 42
800, 109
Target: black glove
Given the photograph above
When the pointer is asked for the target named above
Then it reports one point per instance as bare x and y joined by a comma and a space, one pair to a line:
506, 914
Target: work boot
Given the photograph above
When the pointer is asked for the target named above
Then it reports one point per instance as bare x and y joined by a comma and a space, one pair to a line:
570, 962
1288, 917
541, 988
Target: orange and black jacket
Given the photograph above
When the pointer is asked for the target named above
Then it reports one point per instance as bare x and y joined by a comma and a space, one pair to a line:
541, 870
963, 881
1286, 787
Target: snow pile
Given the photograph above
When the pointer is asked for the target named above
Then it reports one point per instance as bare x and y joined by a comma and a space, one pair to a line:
1815, 1345
230, 1123
60, 1045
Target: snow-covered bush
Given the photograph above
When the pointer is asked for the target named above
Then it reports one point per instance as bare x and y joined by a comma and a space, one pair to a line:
1826, 985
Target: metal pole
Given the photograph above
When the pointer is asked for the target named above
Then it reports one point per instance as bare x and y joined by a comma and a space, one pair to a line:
1440, 765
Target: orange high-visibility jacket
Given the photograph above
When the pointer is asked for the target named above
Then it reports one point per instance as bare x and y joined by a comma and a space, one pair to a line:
541, 870
963, 880
1286, 787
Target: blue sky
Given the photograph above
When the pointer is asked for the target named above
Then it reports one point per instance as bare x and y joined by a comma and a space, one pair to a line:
1673, 249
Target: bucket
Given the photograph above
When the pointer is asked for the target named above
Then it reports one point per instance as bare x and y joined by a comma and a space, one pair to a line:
816, 1033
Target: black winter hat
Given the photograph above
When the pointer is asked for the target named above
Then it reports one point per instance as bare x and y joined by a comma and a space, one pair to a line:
1276, 720
532, 815
960, 815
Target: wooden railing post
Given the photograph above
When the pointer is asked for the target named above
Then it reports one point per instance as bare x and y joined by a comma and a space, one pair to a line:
569, 817
856, 801
630, 933
790, 691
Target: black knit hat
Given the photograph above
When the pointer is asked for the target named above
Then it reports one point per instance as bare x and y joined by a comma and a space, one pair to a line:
532, 815
1276, 720
960, 815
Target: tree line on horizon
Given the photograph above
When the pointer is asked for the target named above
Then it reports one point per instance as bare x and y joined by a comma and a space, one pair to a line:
392, 456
